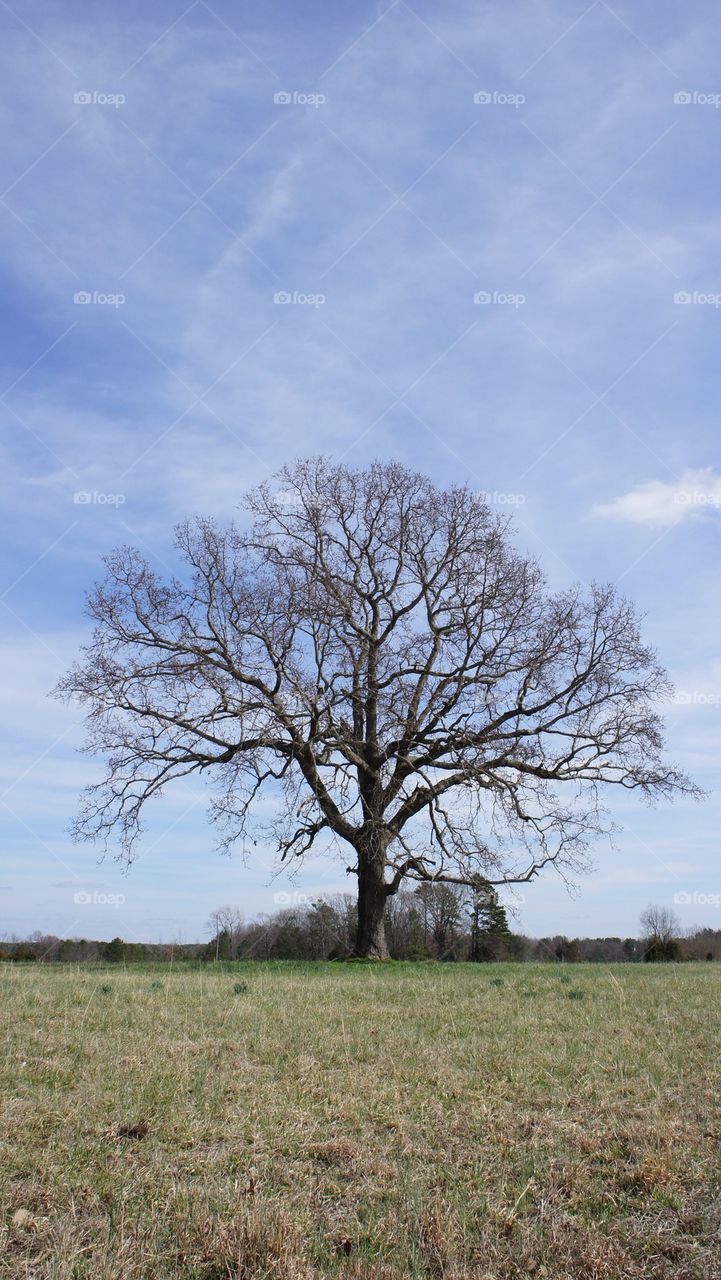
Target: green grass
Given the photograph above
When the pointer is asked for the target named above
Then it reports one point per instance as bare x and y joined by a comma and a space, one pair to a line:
360, 1121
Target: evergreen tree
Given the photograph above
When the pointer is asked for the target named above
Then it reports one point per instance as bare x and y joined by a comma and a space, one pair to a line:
568, 952
114, 952
490, 934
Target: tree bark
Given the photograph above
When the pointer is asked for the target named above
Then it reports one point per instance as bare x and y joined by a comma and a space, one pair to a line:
372, 895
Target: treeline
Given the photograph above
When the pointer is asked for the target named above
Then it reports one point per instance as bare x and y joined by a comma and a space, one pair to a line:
437, 922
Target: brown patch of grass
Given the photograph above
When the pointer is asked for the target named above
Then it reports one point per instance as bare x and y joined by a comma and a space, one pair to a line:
339, 1152
246, 1247
137, 1130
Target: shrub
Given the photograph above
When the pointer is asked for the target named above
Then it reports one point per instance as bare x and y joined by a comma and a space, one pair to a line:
660, 950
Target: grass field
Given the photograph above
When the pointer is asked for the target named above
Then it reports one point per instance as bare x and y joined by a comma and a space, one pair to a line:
359, 1121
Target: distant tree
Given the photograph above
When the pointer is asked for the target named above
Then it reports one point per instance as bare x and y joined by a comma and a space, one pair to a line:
519, 947
567, 951
225, 923
323, 931
114, 952
407, 927
703, 944
659, 922
346, 912
287, 936
22, 952
258, 937
544, 949
68, 950
377, 651
443, 907
660, 930
135, 952
490, 934
224, 945
656, 951
45, 946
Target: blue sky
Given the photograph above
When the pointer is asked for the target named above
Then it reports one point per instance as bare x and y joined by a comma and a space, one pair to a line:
498, 229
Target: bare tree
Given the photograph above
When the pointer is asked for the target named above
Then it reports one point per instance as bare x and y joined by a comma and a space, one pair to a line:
378, 653
659, 922
660, 932
225, 922
442, 906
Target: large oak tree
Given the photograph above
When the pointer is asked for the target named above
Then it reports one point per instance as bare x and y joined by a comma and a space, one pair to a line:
377, 652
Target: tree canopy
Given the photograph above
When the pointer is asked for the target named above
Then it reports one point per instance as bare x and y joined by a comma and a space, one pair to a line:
376, 651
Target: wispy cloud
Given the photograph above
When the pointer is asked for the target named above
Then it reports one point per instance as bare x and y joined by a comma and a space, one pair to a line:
696, 493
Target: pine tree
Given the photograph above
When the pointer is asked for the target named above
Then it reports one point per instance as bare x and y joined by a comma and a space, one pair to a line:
114, 952
490, 934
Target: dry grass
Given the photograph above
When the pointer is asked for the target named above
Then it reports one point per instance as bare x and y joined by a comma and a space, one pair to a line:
361, 1122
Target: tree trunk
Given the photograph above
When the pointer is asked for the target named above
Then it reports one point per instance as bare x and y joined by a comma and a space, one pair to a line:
371, 937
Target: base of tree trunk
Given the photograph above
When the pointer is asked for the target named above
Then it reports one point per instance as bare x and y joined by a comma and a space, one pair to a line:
370, 943
371, 940
374, 955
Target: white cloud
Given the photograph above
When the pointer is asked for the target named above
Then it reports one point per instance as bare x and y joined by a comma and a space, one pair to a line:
658, 502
